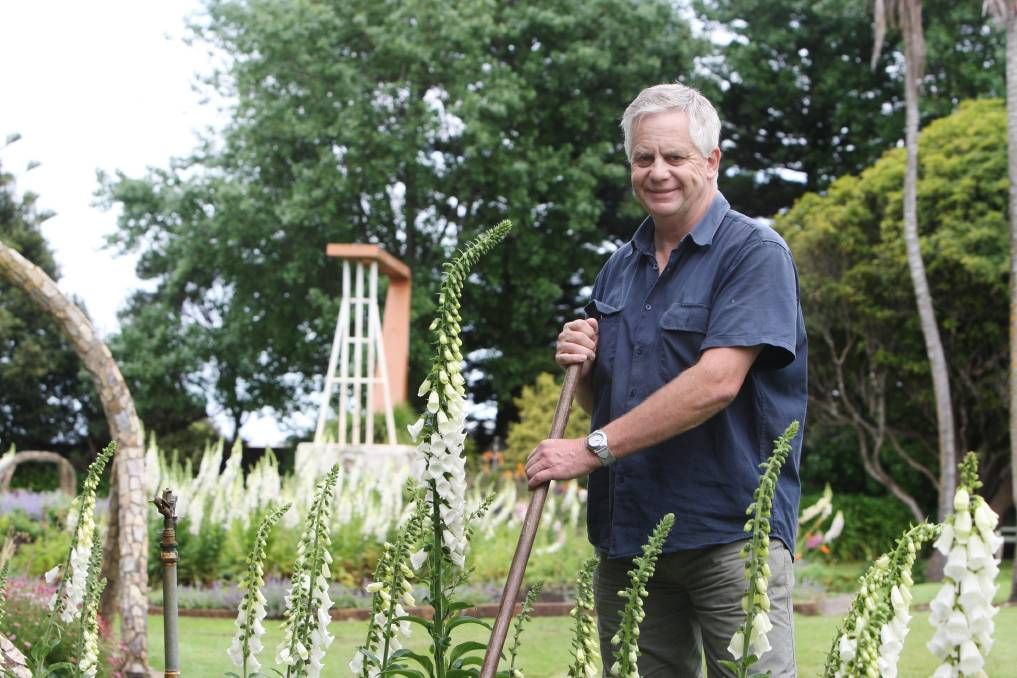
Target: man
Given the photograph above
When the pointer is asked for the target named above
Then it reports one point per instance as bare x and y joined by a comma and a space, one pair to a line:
693, 360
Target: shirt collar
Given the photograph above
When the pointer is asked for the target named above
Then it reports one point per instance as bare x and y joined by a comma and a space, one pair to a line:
702, 233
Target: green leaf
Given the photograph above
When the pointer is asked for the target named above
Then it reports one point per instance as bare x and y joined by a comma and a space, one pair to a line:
427, 624
459, 605
462, 673
409, 673
460, 621
464, 647
419, 658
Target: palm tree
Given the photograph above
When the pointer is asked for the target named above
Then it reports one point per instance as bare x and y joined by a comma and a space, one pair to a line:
907, 15
1005, 12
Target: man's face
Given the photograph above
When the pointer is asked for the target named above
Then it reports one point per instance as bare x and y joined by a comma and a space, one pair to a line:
670, 177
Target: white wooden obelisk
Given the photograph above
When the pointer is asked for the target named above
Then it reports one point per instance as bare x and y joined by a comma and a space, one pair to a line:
357, 365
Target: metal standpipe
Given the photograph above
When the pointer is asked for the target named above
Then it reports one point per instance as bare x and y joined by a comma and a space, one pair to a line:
167, 504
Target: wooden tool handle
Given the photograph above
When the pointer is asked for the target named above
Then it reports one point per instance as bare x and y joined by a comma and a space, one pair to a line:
527, 534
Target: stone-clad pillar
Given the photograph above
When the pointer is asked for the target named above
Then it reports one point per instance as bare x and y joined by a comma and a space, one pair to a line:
127, 522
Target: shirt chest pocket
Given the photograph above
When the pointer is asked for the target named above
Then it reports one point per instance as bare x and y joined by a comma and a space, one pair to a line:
682, 331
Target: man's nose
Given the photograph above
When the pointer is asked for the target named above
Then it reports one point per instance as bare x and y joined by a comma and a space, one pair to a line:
658, 170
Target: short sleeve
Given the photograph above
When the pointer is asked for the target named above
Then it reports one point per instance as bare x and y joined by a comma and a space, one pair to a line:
756, 304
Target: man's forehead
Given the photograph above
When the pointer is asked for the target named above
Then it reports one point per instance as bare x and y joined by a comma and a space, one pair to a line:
657, 129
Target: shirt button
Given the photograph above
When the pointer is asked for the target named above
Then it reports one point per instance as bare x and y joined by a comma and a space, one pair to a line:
632, 393
647, 307
639, 350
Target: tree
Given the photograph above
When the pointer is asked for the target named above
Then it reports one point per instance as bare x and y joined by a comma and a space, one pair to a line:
869, 369
45, 399
1005, 13
799, 106
411, 125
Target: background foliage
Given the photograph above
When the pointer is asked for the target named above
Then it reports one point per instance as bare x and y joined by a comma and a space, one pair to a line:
45, 398
415, 124
408, 124
868, 370
536, 405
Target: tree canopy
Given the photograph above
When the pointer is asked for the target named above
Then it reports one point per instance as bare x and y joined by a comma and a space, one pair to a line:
868, 372
412, 125
800, 103
45, 399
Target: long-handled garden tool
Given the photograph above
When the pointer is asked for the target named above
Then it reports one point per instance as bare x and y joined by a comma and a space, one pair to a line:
527, 534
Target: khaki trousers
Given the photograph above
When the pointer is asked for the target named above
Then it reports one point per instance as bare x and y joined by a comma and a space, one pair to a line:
694, 608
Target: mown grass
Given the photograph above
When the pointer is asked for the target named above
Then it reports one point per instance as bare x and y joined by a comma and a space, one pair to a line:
545, 645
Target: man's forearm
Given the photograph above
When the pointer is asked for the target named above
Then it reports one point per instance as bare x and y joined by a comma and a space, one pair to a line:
584, 392
685, 402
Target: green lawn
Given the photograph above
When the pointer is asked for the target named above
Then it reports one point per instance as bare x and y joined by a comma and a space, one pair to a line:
545, 650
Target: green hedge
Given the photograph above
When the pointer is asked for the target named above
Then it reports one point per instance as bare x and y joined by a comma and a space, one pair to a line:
871, 525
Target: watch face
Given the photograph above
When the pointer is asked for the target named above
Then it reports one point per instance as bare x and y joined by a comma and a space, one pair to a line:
597, 439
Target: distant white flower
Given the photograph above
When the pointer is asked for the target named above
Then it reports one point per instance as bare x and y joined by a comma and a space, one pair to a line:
836, 527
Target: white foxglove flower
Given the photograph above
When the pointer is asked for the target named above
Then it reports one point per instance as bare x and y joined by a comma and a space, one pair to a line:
836, 527
821, 509
305, 636
70, 594
873, 635
962, 611
750, 640
626, 641
418, 558
585, 650
392, 589
985, 518
415, 428
962, 524
247, 642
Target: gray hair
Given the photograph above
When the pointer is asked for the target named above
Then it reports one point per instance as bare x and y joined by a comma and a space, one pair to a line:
704, 123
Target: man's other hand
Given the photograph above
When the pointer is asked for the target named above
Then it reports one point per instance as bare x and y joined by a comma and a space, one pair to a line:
559, 459
577, 343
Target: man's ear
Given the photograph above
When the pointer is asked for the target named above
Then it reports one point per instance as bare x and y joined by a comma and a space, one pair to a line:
713, 163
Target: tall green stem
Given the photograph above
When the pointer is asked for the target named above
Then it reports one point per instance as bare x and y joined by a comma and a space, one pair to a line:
437, 586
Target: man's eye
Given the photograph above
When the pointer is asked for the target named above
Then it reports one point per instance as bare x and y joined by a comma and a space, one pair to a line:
644, 160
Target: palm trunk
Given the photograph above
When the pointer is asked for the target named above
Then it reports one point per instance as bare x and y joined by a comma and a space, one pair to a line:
926, 312
1011, 141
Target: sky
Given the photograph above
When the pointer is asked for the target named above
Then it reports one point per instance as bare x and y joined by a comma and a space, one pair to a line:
109, 85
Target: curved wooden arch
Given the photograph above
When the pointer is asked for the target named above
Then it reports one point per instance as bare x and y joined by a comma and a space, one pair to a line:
68, 476
126, 551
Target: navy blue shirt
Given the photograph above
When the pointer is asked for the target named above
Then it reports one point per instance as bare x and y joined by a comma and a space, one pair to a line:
731, 282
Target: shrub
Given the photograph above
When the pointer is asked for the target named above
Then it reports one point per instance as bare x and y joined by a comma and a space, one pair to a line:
536, 411
869, 524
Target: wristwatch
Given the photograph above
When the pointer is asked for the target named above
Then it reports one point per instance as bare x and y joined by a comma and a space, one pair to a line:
596, 443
